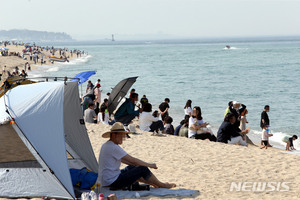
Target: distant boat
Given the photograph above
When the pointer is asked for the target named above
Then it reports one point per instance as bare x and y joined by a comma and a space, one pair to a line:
56, 59
227, 47
112, 38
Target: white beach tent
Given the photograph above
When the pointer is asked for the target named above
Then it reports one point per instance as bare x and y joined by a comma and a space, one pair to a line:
47, 138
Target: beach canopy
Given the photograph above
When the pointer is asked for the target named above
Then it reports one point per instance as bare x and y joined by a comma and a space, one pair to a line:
42, 136
118, 92
84, 76
4, 49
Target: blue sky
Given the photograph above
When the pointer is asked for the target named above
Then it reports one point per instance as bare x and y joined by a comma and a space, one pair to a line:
97, 19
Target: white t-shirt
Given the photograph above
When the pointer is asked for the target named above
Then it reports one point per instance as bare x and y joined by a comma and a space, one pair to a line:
106, 118
97, 83
191, 122
109, 163
188, 111
145, 120
265, 135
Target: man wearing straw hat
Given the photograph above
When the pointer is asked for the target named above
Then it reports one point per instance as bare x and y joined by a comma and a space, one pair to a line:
110, 158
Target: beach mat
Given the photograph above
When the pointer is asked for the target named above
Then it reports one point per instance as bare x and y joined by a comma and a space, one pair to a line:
159, 192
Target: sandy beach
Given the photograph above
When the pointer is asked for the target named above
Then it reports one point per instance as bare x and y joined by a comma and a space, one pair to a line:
12, 61
211, 167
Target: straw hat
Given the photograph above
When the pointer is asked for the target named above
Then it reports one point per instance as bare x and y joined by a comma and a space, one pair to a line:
116, 128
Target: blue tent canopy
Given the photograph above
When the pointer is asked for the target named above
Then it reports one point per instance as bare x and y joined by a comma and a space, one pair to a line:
83, 76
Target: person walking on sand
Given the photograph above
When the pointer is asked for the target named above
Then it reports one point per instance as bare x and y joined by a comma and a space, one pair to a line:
112, 155
265, 136
264, 120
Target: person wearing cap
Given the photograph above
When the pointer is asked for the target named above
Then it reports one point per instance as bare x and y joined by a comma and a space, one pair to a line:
126, 112
112, 155
98, 82
265, 136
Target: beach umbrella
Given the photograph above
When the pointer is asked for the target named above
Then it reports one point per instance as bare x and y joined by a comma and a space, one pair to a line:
83, 76
118, 92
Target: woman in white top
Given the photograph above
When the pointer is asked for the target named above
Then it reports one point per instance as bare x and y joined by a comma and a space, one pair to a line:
148, 122
103, 115
188, 108
197, 128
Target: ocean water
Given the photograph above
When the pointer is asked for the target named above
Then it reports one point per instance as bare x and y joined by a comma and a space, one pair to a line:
254, 73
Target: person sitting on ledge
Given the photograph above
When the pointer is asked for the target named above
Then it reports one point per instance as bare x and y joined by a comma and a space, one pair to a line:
112, 155
126, 112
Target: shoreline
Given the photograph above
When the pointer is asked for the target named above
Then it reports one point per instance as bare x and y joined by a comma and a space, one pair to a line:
210, 167
13, 61
49, 67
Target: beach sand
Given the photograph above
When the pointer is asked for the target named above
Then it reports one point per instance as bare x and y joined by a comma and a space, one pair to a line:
210, 167
12, 61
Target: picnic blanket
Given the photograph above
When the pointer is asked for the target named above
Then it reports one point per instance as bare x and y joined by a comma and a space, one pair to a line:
152, 192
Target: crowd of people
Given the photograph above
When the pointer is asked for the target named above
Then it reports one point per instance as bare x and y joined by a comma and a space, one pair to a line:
233, 129
34, 54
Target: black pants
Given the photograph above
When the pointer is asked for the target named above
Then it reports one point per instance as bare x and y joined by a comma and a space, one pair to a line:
131, 174
155, 126
205, 136
164, 116
97, 110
